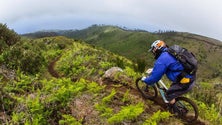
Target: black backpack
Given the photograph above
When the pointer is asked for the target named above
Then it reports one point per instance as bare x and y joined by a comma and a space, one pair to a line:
187, 59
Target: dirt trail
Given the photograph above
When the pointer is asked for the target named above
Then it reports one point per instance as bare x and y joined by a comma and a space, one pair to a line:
123, 88
51, 69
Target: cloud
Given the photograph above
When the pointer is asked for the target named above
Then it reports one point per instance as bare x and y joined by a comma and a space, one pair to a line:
195, 16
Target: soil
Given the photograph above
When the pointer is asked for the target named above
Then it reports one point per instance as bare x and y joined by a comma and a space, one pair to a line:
110, 84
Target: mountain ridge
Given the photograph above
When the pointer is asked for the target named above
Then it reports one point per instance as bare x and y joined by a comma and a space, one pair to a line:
134, 44
65, 32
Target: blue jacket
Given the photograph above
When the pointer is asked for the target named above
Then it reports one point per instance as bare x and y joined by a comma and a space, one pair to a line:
165, 64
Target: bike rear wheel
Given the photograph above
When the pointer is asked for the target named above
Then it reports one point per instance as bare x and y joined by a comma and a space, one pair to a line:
148, 92
186, 109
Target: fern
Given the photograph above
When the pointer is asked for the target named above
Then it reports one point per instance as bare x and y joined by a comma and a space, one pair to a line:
210, 113
17, 117
102, 107
157, 117
69, 120
105, 65
66, 89
104, 110
130, 112
131, 73
94, 87
24, 84
108, 98
126, 96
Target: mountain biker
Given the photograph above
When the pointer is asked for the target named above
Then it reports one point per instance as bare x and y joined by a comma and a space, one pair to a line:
169, 65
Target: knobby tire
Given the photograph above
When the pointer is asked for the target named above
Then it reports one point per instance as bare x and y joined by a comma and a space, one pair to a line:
148, 92
191, 114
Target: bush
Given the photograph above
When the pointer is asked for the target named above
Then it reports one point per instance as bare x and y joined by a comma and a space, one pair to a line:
10, 37
130, 112
25, 58
69, 120
157, 117
141, 65
210, 113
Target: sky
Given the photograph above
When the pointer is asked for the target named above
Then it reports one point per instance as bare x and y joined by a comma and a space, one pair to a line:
202, 17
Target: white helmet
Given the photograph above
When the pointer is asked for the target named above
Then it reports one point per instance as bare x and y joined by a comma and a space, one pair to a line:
157, 45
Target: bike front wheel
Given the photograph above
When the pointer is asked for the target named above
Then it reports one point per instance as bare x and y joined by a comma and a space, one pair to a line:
148, 92
186, 109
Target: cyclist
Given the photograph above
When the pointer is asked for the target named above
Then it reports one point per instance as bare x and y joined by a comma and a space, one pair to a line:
169, 65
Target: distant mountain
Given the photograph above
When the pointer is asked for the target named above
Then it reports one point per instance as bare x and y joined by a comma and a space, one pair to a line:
134, 44
41, 34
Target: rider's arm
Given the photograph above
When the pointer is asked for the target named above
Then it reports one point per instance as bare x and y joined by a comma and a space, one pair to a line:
158, 71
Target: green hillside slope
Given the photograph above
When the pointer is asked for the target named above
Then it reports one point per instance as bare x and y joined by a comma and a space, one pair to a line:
134, 44
56, 80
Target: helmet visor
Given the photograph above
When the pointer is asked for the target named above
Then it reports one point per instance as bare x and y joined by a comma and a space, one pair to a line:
151, 49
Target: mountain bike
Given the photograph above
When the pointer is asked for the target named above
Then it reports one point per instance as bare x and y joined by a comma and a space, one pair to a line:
184, 108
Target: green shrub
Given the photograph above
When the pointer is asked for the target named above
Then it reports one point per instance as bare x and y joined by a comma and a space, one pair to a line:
23, 58
18, 118
63, 90
102, 107
157, 117
104, 110
30, 110
109, 98
94, 87
130, 112
1, 59
10, 37
24, 84
207, 93
141, 65
126, 96
119, 62
69, 120
210, 113
36, 110
131, 73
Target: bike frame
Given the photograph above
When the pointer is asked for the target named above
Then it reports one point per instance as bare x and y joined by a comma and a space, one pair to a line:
182, 103
160, 85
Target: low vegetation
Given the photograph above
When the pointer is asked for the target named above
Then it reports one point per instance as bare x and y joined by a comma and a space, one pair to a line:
31, 94
134, 44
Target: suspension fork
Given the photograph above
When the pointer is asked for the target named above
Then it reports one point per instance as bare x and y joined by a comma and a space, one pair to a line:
162, 91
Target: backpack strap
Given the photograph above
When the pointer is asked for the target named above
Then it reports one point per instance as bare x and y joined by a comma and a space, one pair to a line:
180, 76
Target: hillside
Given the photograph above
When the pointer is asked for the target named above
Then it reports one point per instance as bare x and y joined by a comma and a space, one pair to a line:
133, 44
56, 80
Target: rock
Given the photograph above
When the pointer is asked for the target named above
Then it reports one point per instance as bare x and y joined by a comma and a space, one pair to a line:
116, 75
110, 73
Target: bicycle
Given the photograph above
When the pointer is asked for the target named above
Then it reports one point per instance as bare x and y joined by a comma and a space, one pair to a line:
185, 108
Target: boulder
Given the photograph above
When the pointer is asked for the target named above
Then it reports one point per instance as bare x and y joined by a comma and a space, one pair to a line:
116, 75
110, 73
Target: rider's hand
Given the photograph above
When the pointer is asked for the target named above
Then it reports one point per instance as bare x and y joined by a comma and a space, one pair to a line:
143, 78
149, 71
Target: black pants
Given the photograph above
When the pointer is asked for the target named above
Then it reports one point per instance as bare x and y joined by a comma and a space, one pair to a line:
178, 89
